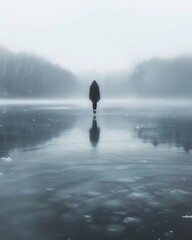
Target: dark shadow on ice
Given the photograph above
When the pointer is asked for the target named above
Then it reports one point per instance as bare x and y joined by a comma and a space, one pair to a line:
26, 128
172, 131
94, 133
171, 128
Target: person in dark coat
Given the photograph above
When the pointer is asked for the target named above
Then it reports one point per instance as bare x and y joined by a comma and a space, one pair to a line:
94, 95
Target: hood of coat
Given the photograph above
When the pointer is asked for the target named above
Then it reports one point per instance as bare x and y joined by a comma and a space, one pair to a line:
94, 83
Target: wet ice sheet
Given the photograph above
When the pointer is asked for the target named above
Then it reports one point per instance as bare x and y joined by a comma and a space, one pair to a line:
128, 176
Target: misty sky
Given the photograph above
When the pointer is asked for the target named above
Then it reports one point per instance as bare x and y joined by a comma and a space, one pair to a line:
97, 34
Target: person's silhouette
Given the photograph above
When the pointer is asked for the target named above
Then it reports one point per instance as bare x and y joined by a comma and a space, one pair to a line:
94, 95
94, 133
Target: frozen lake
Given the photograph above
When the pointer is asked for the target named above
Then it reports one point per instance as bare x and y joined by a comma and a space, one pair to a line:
125, 175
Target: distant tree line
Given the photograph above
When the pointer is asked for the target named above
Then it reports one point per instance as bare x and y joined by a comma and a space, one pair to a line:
28, 76
162, 78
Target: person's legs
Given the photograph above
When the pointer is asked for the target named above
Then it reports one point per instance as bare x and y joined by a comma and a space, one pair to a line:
94, 107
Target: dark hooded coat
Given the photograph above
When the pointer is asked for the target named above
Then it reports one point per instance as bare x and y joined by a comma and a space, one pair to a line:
94, 93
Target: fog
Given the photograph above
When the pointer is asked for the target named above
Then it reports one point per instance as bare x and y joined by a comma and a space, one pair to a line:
24, 75
105, 35
133, 49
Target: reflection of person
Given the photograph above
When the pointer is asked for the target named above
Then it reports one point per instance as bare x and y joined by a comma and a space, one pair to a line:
94, 133
94, 95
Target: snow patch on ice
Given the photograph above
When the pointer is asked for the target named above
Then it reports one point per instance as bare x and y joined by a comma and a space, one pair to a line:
187, 217
126, 180
6, 159
132, 220
178, 191
140, 195
88, 218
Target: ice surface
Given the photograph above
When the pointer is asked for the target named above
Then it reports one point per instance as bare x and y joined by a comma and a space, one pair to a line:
49, 189
115, 228
134, 183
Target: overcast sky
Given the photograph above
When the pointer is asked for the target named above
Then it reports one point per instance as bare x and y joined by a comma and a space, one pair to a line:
97, 34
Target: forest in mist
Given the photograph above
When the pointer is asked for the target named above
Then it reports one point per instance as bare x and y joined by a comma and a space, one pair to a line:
27, 76
163, 77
